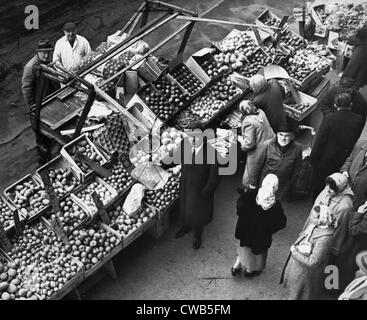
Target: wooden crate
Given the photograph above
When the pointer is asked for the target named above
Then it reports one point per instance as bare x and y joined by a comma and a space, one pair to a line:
9, 207
297, 115
71, 162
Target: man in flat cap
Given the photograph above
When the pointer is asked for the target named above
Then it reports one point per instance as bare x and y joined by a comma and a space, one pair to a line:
70, 49
35, 87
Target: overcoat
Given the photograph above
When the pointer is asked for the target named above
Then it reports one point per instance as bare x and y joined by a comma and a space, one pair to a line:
357, 67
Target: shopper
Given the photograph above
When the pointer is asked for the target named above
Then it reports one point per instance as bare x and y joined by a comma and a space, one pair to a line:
281, 156
255, 130
334, 141
260, 215
35, 88
338, 197
269, 97
355, 168
357, 67
359, 104
305, 269
356, 242
197, 186
71, 48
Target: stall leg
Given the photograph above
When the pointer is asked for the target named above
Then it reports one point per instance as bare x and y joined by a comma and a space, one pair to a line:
109, 267
160, 227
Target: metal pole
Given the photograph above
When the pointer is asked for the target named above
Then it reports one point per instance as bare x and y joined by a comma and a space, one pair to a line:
186, 38
172, 7
141, 8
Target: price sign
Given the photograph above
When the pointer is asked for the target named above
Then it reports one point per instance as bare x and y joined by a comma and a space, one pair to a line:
17, 223
55, 204
101, 209
59, 229
4, 240
299, 14
320, 31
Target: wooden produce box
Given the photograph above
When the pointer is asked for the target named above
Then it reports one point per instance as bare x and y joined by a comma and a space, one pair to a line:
297, 114
93, 210
196, 61
109, 256
25, 213
9, 221
56, 163
65, 152
268, 14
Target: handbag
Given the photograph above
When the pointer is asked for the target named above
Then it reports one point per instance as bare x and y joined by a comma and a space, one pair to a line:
305, 246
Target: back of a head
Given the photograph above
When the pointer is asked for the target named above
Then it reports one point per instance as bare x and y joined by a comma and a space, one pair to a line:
343, 100
257, 82
247, 107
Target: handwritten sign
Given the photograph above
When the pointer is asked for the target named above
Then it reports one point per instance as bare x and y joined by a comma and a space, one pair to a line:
4, 240
299, 14
101, 209
17, 223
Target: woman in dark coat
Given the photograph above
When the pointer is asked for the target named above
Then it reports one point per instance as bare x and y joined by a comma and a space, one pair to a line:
260, 215
334, 141
199, 179
357, 67
269, 97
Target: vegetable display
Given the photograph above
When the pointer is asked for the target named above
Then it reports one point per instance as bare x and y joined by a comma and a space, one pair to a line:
71, 215
120, 179
6, 215
187, 79
63, 181
171, 92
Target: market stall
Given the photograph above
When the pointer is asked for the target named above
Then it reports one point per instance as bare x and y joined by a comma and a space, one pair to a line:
117, 119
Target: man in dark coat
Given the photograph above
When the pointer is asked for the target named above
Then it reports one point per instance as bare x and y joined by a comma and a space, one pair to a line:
269, 97
359, 104
334, 141
355, 168
36, 87
357, 67
199, 179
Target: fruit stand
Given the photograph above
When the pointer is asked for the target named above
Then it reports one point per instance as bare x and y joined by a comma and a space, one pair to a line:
70, 214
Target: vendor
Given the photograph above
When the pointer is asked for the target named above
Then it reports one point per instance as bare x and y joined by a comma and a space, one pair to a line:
70, 49
269, 97
35, 88
357, 67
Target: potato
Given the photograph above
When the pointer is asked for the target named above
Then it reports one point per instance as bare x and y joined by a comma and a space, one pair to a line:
5, 296
3, 286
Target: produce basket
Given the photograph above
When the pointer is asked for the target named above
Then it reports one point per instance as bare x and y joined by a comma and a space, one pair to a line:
297, 114
110, 255
6, 218
65, 152
58, 163
263, 21
233, 39
92, 210
26, 210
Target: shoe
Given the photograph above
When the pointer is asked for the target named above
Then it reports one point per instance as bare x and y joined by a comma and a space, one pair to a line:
235, 271
197, 243
182, 232
252, 274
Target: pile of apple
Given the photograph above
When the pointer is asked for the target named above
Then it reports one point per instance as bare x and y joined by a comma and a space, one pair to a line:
63, 181
71, 215
103, 47
217, 96
301, 107
84, 148
116, 64
170, 139
158, 103
43, 264
162, 198
272, 21
255, 62
172, 92
213, 68
235, 41
292, 41
29, 197
6, 215
91, 244
187, 79
125, 224
120, 179
89, 58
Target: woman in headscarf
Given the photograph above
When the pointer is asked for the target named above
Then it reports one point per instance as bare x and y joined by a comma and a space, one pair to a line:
304, 270
260, 215
338, 197
255, 130
269, 97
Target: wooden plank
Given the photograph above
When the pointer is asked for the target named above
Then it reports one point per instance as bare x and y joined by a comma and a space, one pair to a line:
101, 211
4, 240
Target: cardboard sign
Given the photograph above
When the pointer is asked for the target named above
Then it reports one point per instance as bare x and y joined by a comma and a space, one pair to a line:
93, 165
333, 40
299, 14
4, 240
320, 31
101, 209
17, 223
59, 229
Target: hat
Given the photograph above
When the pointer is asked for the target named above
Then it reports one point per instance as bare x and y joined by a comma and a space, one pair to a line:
44, 45
286, 127
69, 26
361, 261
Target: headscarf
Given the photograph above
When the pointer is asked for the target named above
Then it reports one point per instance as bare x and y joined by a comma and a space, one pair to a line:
257, 83
341, 181
266, 194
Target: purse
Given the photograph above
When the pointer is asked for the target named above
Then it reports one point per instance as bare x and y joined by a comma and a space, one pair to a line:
305, 246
